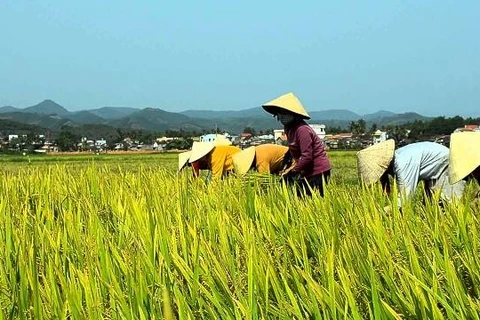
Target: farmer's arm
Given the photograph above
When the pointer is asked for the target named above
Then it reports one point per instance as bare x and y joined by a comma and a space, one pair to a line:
218, 157
196, 168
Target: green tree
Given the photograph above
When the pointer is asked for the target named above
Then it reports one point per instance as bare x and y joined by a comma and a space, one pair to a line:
179, 144
249, 130
358, 127
362, 126
67, 141
335, 130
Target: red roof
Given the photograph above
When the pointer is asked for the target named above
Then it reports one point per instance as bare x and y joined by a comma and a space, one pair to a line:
339, 135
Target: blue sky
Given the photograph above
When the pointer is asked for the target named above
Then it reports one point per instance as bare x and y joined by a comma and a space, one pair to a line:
364, 56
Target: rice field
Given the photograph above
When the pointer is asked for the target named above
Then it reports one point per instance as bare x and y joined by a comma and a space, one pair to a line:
125, 237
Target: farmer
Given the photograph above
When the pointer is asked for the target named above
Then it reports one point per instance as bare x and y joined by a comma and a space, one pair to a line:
183, 159
465, 158
264, 158
213, 156
312, 167
420, 161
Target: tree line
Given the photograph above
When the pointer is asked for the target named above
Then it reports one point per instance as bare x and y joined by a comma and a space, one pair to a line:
415, 130
68, 137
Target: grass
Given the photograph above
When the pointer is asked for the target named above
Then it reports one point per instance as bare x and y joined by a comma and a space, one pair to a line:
126, 237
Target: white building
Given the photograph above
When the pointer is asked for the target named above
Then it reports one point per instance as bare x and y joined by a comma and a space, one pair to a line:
318, 128
379, 136
212, 137
208, 137
266, 137
101, 143
164, 139
277, 133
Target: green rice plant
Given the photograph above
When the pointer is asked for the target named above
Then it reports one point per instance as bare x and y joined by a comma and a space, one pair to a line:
131, 238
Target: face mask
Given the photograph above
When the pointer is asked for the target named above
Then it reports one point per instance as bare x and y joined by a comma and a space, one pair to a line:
285, 118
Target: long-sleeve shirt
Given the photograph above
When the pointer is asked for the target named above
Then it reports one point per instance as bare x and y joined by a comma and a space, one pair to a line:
269, 157
219, 161
307, 150
424, 161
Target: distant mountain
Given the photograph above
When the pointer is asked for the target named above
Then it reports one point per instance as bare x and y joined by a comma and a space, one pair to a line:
112, 113
259, 112
52, 122
402, 118
378, 115
85, 117
343, 118
52, 116
236, 125
47, 107
9, 127
157, 120
94, 131
160, 120
344, 124
8, 109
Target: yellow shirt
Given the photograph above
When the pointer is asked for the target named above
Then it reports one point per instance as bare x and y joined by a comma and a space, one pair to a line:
269, 157
220, 160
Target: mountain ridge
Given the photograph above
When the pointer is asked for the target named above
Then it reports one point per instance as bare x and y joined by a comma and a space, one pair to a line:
46, 107
53, 116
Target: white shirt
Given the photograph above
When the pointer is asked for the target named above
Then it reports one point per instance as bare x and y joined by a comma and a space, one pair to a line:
424, 161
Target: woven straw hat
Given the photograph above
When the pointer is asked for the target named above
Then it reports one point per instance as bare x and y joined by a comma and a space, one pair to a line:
372, 162
221, 140
200, 150
287, 102
183, 159
464, 154
242, 161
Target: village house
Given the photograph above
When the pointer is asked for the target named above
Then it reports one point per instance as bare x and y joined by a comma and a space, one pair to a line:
319, 130
47, 147
279, 135
164, 140
211, 137
338, 141
13, 136
379, 136
468, 127
101, 143
157, 146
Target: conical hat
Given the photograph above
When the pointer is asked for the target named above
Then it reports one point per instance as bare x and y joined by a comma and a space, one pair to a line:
199, 150
464, 154
221, 140
242, 161
287, 102
372, 162
183, 159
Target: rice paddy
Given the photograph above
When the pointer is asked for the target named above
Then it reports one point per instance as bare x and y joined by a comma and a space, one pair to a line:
126, 237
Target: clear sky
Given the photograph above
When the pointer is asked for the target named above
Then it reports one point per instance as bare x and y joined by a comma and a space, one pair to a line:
364, 56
